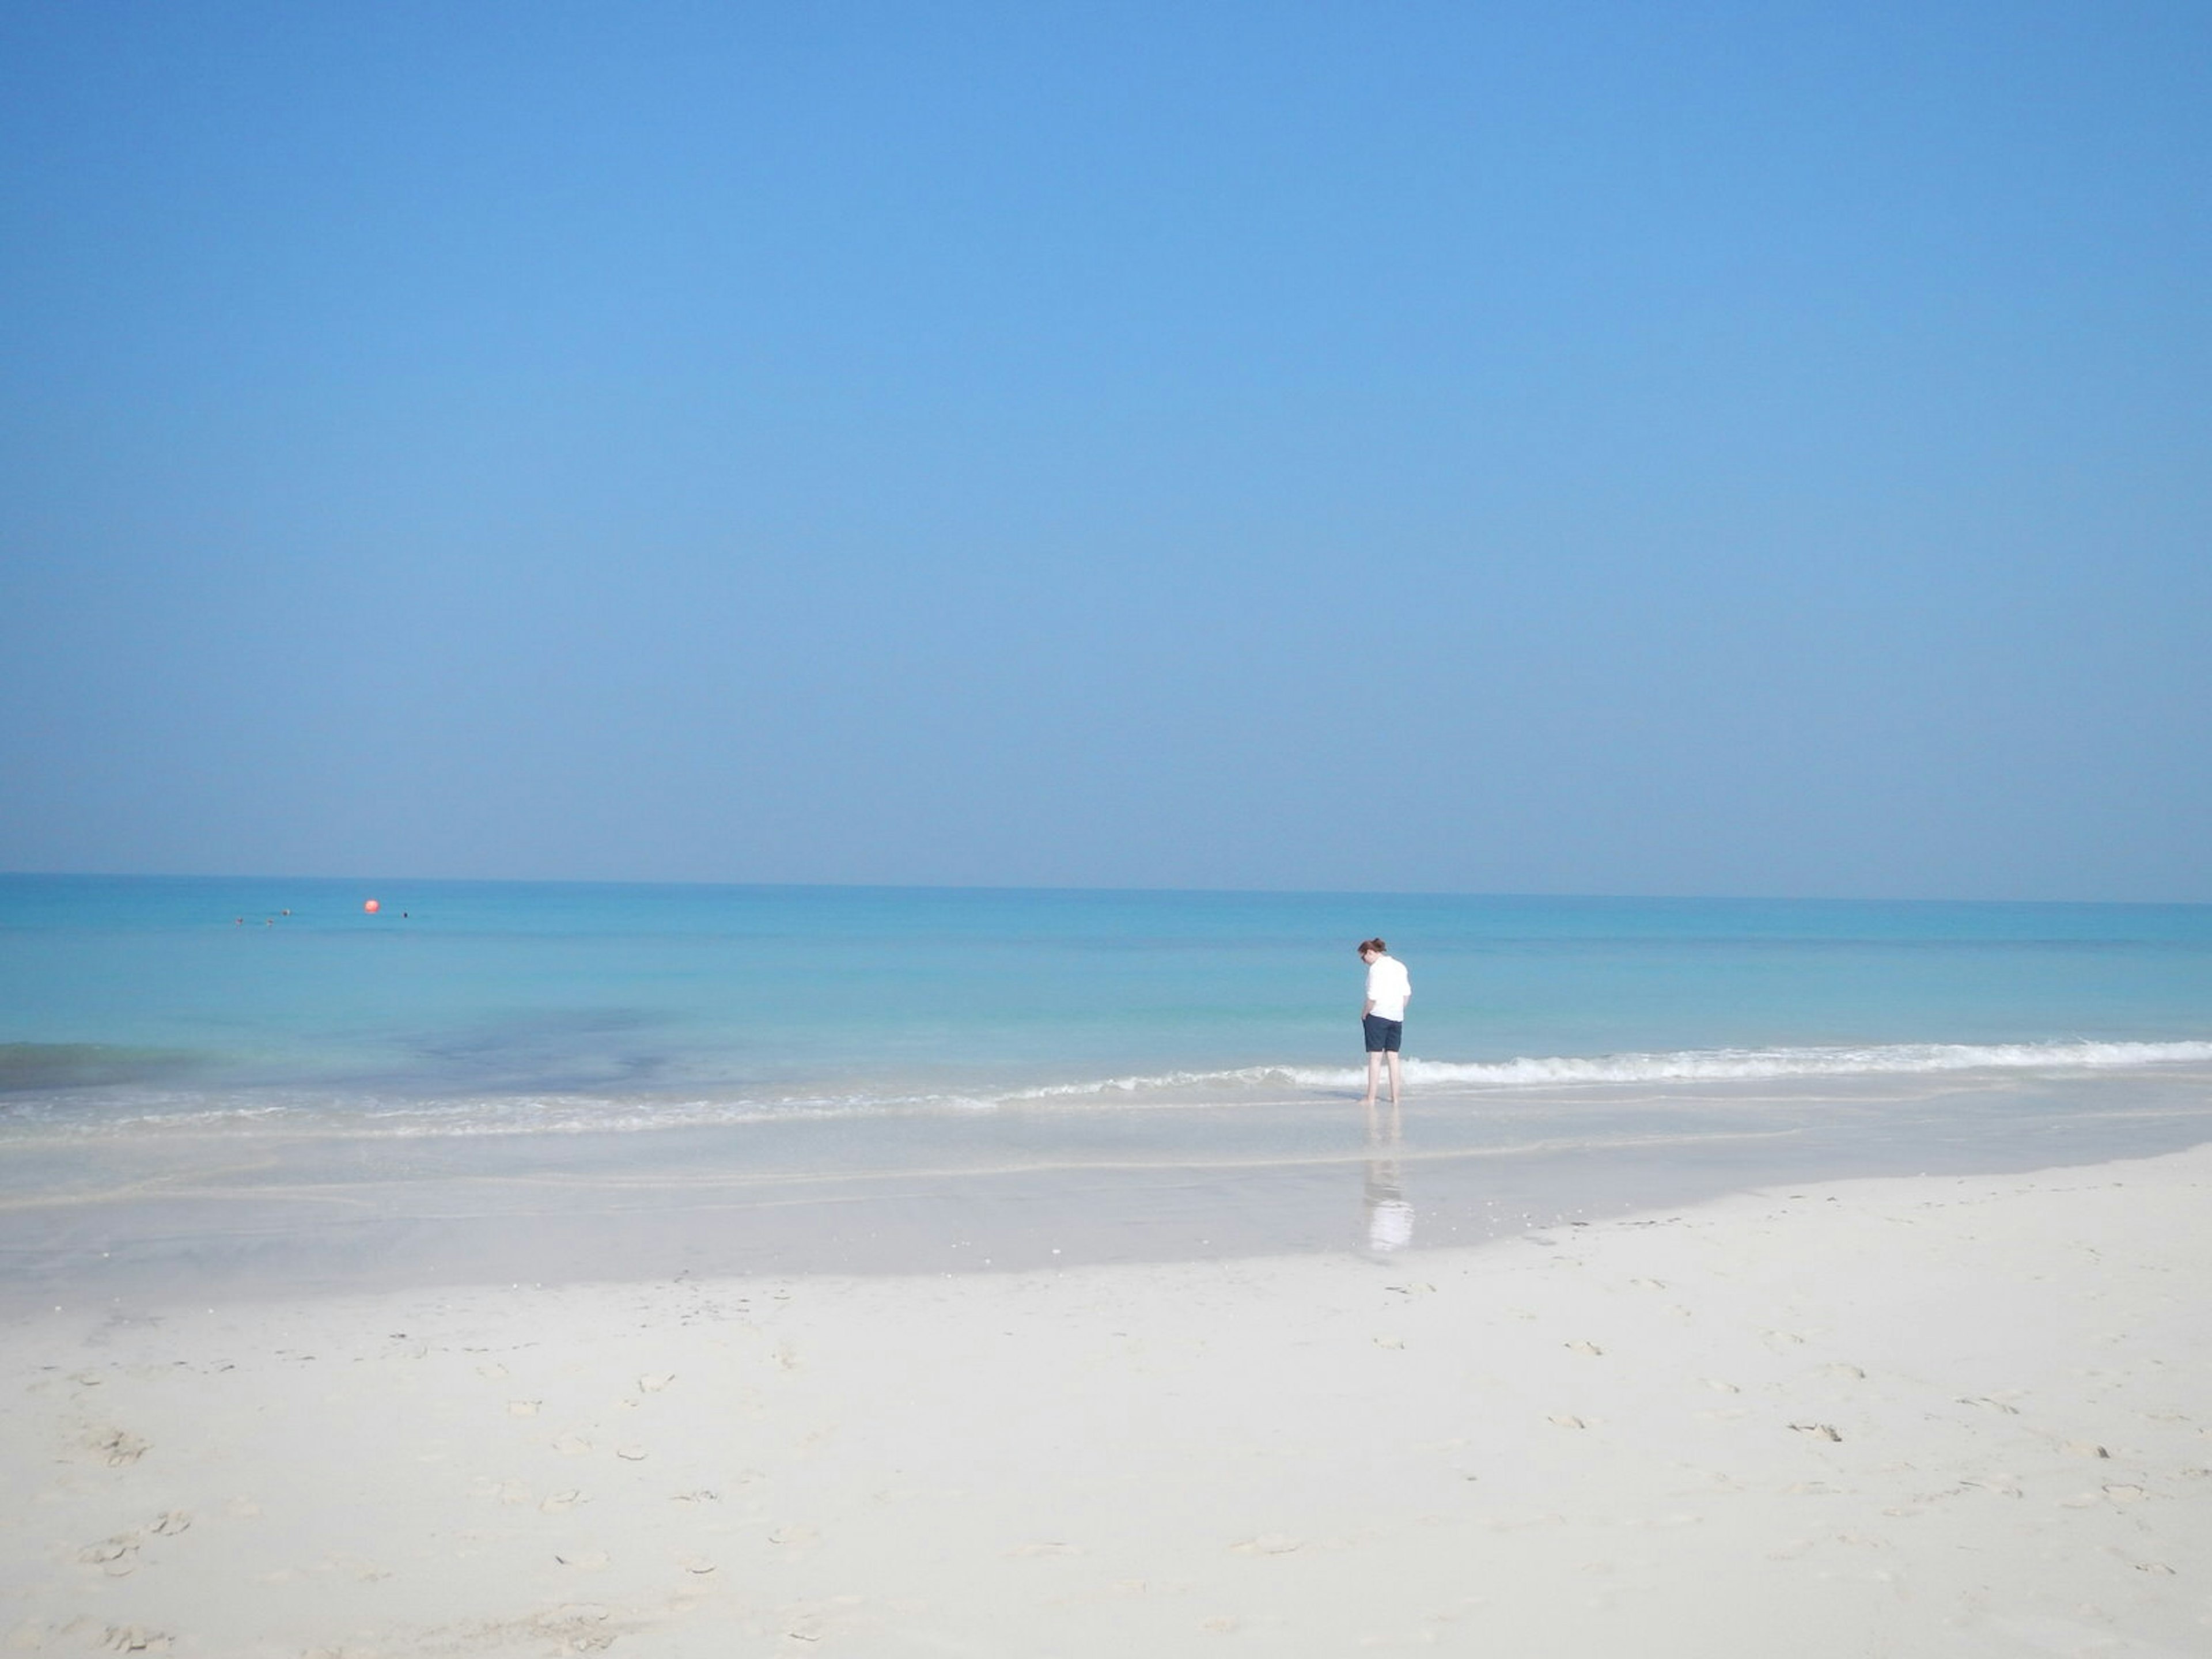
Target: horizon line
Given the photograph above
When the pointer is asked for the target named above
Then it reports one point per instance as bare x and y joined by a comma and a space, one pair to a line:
1590, 896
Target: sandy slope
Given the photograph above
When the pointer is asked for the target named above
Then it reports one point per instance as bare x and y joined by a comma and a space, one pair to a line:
1927, 1417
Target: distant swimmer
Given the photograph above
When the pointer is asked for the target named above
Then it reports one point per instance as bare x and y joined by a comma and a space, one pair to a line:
1389, 989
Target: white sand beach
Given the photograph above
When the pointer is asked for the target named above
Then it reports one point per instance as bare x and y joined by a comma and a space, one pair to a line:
1931, 1416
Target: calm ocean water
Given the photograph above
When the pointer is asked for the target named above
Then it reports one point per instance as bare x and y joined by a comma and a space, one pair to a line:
254, 1084
477, 1006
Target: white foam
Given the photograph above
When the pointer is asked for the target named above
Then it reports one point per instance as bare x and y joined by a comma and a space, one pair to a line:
1686, 1065
97, 1113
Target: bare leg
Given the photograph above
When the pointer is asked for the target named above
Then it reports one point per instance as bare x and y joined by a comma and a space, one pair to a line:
1393, 1076
1374, 1068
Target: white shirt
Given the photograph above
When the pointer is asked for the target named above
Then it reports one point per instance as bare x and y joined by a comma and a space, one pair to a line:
1388, 985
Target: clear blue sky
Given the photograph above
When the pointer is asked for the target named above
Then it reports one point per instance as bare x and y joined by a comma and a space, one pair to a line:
1608, 447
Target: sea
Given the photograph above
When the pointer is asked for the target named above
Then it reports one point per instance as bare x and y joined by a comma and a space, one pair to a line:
245, 1081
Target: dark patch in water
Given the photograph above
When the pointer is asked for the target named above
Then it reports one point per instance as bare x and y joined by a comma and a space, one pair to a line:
572, 1048
88, 1065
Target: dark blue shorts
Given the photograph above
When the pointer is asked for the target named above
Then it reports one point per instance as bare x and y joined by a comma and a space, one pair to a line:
1382, 1035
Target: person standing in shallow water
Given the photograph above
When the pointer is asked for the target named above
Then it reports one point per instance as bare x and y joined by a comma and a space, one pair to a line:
1389, 989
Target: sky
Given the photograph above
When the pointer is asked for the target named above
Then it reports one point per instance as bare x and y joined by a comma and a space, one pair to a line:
1587, 448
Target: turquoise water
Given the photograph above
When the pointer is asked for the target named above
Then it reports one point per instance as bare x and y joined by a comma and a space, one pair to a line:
254, 1082
510, 1006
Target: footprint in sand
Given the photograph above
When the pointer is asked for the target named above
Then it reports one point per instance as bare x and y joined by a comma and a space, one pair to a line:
135, 1638
2085, 1448
1988, 1404
697, 1564
1590, 1348
576, 1629
561, 1502
172, 1522
583, 1560
117, 1557
1850, 1372
1268, 1543
792, 1535
655, 1382
1566, 1420
632, 1453
1825, 1431
1719, 1387
572, 1445
120, 1446
1389, 1341
1649, 1284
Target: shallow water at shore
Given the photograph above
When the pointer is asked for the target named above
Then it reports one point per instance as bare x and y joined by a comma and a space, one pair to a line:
176, 1213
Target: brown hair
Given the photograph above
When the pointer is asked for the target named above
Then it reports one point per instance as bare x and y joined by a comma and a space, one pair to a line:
1375, 946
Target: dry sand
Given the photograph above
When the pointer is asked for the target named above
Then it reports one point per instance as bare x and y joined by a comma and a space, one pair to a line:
1920, 1417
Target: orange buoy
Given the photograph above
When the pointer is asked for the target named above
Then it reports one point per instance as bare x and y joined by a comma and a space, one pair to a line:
372, 907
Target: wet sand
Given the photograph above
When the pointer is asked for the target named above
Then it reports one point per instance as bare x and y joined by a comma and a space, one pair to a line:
135, 1222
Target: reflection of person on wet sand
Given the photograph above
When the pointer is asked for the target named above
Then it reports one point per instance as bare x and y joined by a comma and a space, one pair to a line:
1389, 1217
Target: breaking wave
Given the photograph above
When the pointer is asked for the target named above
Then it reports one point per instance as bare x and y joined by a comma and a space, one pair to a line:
1684, 1065
78, 1112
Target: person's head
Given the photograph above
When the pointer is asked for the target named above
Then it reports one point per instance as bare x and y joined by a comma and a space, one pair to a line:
1370, 949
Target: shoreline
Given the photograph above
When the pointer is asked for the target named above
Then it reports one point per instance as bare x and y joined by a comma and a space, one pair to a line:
141, 1223
1944, 1414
